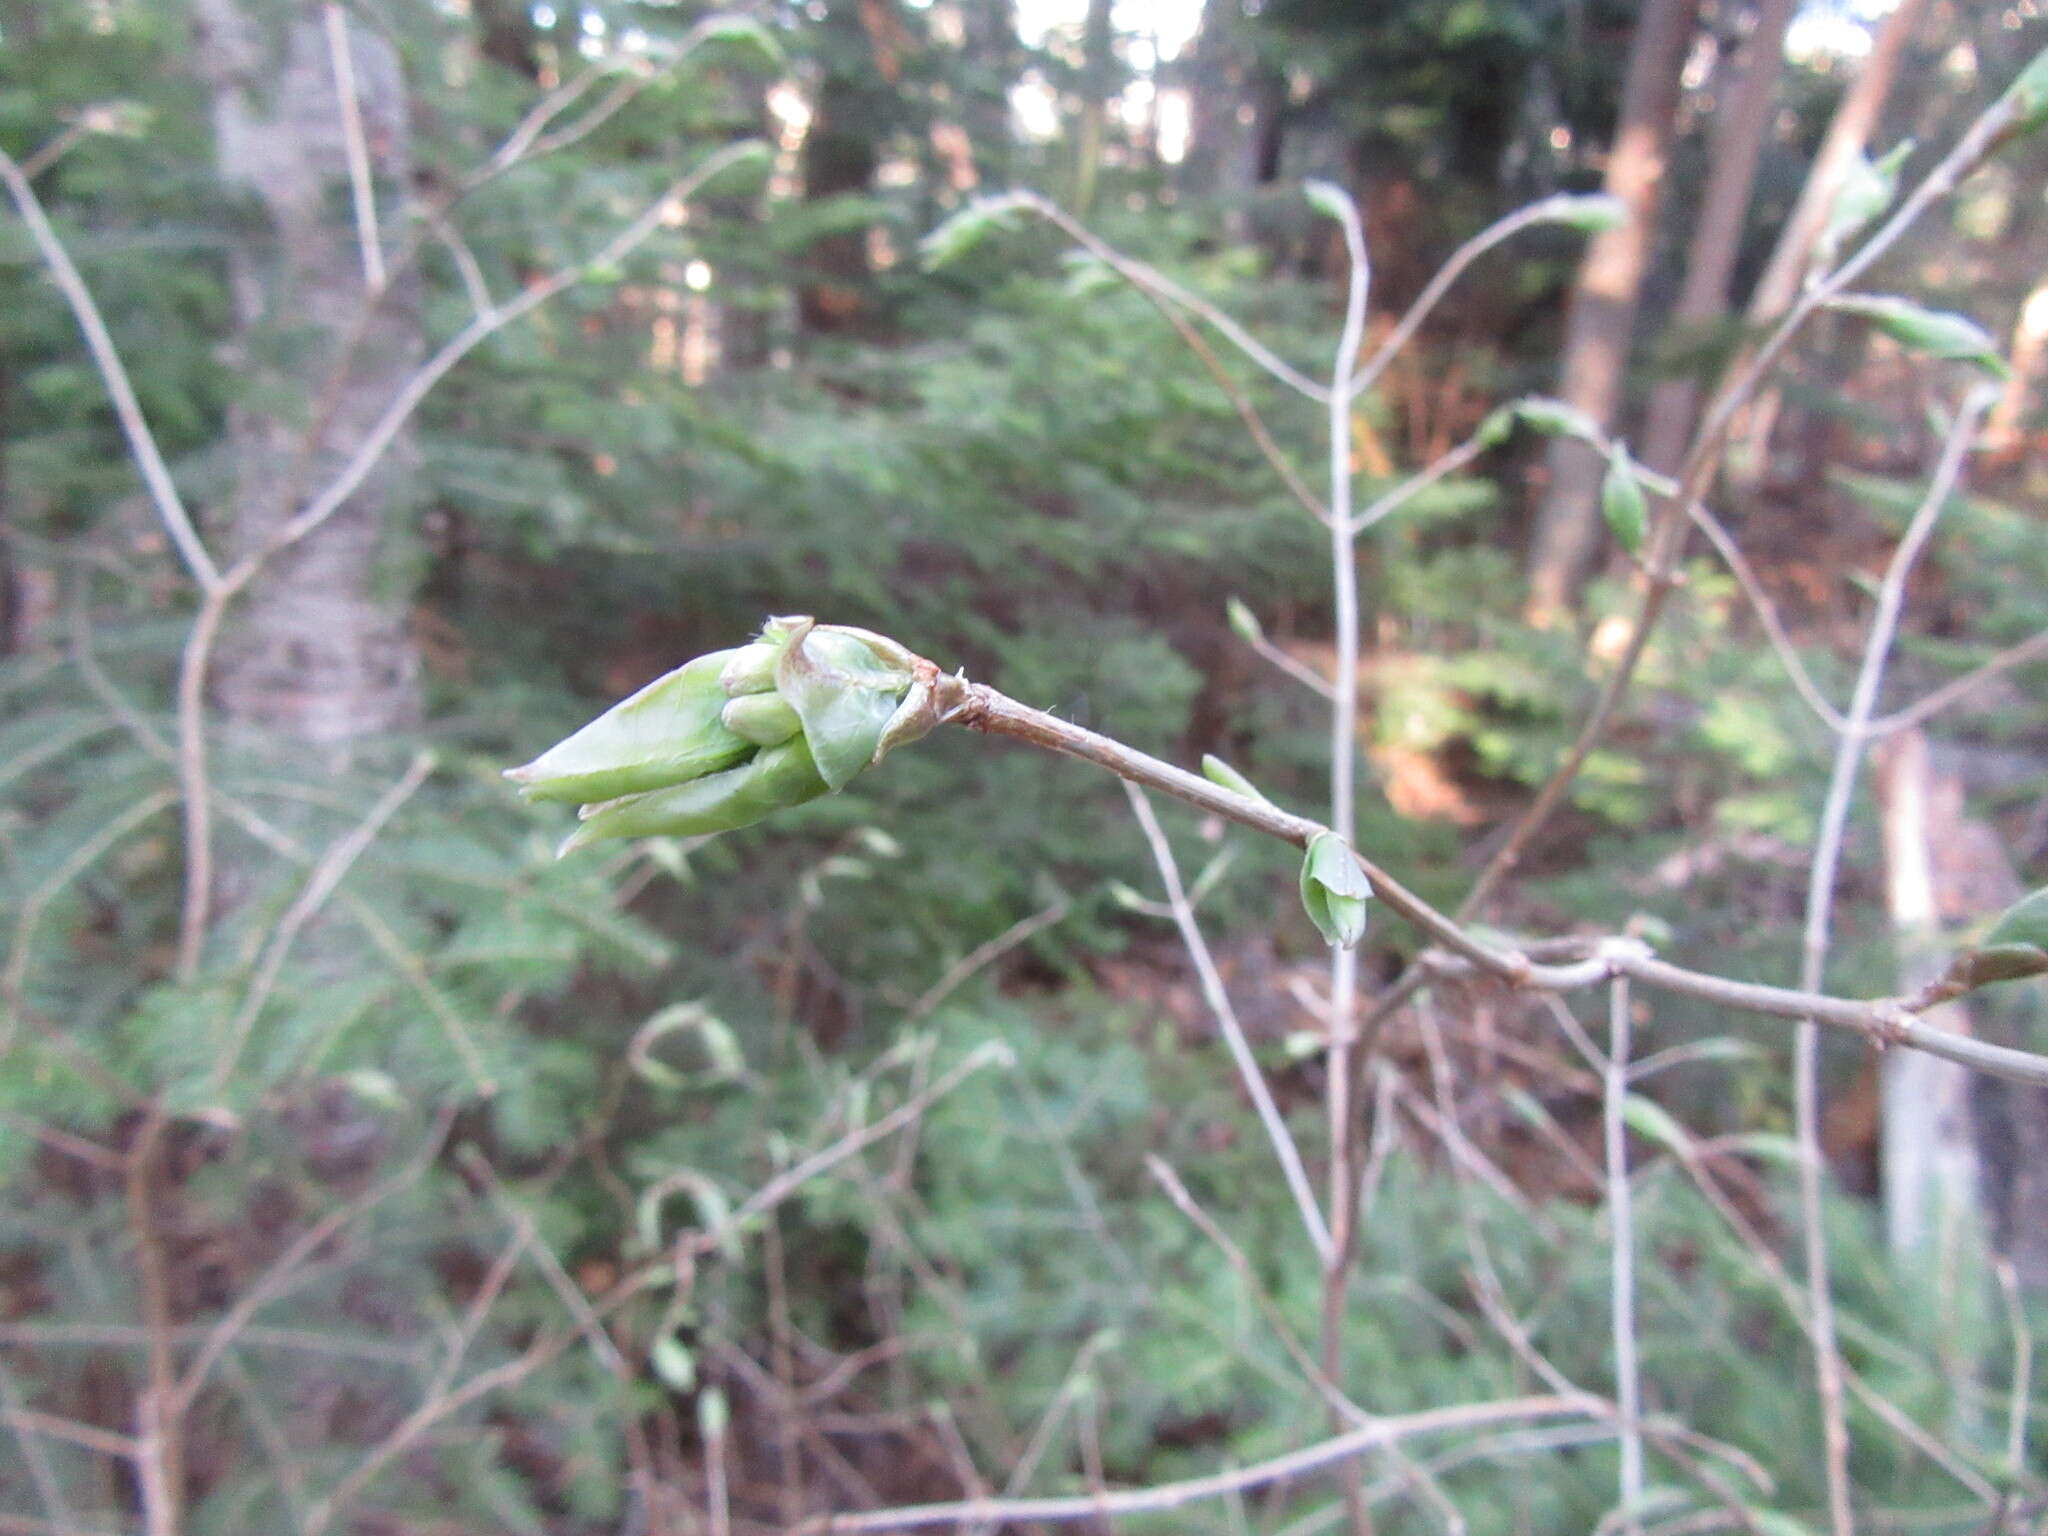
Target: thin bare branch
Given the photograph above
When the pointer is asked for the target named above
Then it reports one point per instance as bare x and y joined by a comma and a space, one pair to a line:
149, 459
1278, 1470
1149, 278
1820, 896
1628, 1390
355, 147
1218, 998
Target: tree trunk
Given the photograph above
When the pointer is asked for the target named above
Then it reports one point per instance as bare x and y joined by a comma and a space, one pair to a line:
994, 57
1604, 301
1738, 140
1958, 1149
507, 36
317, 651
1848, 133
2005, 430
1098, 69
850, 113
1930, 1151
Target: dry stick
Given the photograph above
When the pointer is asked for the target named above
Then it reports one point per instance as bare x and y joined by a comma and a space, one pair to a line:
1393, 500
1254, 423
1184, 1201
1820, 894
159, 1447
1218, 998
1280, 1469
1621, 1217
1667, 538
1881, 1022
355, 148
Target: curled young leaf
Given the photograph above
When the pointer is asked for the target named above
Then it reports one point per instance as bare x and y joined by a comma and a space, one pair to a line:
1334, 890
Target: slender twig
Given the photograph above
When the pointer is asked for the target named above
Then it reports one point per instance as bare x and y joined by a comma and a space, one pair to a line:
355, 147
1882, 1021
1150, 279
27, 1422
2032, 648
1300, 671
1218, 997
1165, 1496
42, 1472
1254, 424
1628, 1397
1820, 895
149, 459
1543, 212
377, 440
1667, 536
276, 1279
983, 955
1184, 1201
332, 868
2022, 1368
1394, 499
1766, 611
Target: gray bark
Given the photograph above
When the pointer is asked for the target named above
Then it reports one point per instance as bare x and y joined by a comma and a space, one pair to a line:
317, 652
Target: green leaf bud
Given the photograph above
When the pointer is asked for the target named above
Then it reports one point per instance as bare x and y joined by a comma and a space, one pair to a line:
1334, 890
1217, 771
1622, 502
1243, 622
1936, 332
766, 719
1592, 213
667, 733
1554, 418
737, 735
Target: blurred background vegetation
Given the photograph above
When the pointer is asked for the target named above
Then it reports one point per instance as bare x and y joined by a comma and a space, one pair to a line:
411, 1101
